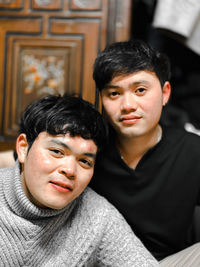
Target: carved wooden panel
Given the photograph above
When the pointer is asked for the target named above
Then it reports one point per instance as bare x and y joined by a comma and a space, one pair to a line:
11, 4
46, 4
85, 5
49, 46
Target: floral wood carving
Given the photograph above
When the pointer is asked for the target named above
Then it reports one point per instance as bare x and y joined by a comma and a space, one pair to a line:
84, 3
43, 2
43, 75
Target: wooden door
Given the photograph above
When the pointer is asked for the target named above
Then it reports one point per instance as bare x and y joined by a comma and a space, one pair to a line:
49, 46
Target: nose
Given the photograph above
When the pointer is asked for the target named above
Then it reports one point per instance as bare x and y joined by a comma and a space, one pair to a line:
128, 103
68, 168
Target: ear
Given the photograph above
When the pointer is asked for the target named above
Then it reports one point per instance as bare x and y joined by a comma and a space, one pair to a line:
166, 92
21, 147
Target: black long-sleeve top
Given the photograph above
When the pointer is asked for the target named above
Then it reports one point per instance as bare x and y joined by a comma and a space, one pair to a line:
159, 196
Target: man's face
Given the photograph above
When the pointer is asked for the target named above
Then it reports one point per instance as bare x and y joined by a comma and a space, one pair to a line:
133, 103
56, 169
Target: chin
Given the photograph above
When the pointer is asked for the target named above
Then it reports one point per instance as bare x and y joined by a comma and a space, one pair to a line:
56, 205
130, 133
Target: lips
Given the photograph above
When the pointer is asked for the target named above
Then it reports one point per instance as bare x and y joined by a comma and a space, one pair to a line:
60, 186
129, 119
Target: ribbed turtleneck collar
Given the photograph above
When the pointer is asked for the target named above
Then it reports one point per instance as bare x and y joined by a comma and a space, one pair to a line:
20, 204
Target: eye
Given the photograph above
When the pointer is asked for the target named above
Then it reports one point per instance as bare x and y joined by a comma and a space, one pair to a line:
56, 152
86, 163
140, 91
113, 94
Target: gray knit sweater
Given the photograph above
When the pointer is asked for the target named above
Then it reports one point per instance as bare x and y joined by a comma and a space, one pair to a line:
88, 232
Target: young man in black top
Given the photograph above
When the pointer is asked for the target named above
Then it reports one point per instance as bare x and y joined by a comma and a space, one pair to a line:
149, 172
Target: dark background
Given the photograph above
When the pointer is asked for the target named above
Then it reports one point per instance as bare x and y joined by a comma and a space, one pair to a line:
184, 105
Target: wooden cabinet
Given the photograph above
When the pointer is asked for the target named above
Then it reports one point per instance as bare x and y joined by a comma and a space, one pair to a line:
49, 46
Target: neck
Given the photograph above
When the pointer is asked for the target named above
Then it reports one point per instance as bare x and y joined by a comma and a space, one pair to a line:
132, 149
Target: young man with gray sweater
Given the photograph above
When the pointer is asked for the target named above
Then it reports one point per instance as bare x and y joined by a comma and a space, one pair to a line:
49, 217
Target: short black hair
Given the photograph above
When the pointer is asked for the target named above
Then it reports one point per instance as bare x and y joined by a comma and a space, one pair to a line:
57, 114
128, 57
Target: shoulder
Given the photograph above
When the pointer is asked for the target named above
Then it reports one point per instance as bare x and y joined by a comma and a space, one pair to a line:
6, 171
99, 207
8, 174
6, 177
117, 242
180, 135
93, 200
97, 214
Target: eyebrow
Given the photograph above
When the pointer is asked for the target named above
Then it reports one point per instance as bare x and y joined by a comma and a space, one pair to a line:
60, 143
112, 86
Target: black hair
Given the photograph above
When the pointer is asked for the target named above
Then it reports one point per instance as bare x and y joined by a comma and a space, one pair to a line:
57, 114
128, 57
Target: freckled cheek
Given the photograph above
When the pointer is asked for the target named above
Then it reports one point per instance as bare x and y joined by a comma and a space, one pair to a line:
84, 177
151, 104
111, 108
40, 162
152, 111
112, 113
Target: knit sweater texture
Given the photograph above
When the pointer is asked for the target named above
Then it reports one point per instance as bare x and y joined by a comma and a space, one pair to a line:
88, 232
